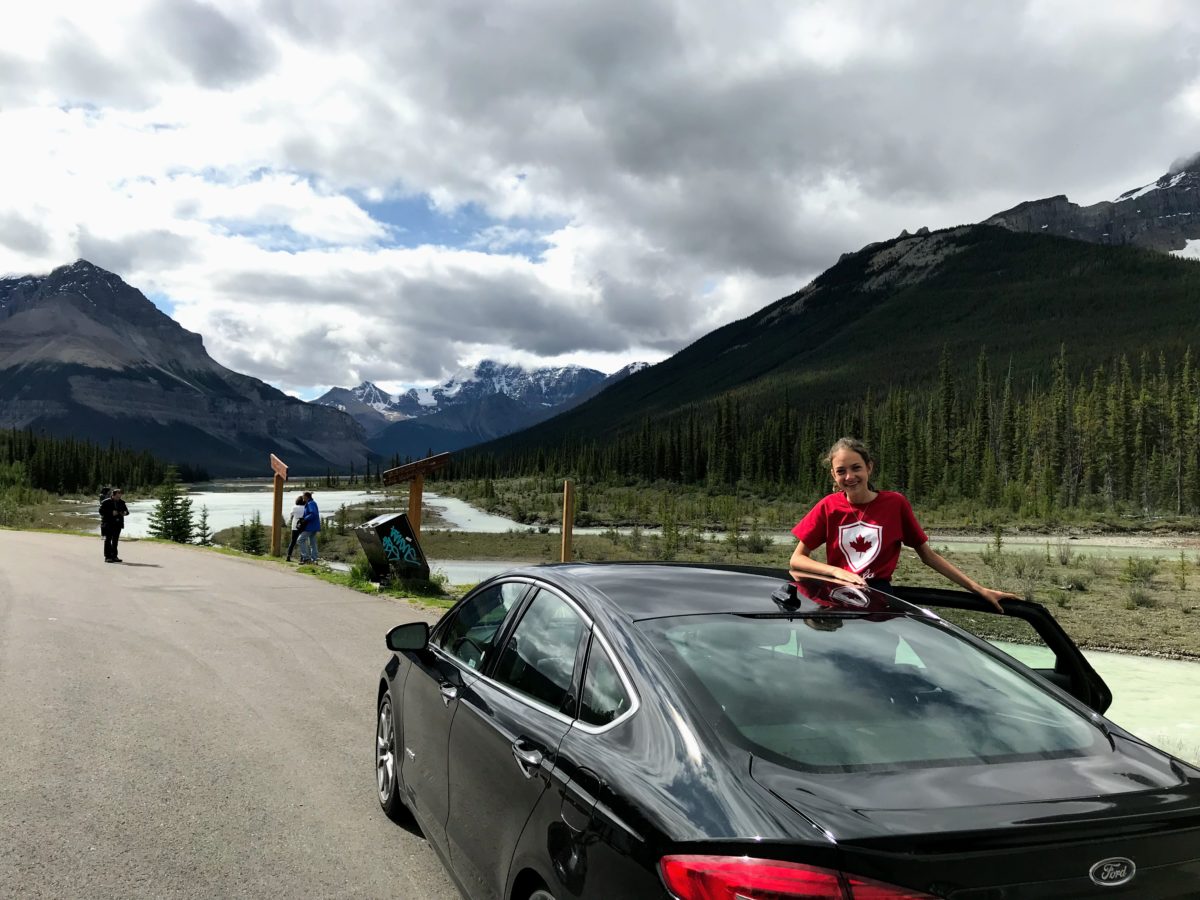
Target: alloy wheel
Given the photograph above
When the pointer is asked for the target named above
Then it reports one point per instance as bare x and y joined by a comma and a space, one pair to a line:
385, 754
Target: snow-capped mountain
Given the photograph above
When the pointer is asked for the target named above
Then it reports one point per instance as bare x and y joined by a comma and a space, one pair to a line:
541, 389
367, 404
476, 403
1163, 215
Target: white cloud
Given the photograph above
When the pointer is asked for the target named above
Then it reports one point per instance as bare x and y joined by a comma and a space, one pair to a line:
681, 164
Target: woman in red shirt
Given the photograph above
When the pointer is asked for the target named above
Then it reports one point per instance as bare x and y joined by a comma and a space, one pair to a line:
863, 529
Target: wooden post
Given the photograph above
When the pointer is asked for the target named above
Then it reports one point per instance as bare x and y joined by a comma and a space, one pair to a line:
414, 473
415, 488
280, 471
568, 519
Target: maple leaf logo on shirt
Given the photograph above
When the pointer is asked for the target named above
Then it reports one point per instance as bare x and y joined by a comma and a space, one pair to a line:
860, 544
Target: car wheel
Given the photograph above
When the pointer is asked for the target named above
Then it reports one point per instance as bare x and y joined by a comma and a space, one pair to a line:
541, 894
387, 762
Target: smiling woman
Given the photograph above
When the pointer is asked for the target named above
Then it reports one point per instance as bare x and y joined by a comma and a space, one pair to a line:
863, 529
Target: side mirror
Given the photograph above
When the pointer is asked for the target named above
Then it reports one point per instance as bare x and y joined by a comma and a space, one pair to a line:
413, 636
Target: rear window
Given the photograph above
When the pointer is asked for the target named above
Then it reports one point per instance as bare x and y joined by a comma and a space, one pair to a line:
851, 693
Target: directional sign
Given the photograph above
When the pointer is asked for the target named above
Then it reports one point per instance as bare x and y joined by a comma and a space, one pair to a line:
409, 471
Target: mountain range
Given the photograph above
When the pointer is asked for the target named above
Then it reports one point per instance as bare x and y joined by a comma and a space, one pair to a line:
475, 404
1103, 280
85, 355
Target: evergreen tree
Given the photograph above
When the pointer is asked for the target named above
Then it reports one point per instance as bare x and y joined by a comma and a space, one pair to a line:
251, 537
203, 535
171, 517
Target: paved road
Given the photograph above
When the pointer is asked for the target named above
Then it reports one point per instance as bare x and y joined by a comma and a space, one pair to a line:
191, 725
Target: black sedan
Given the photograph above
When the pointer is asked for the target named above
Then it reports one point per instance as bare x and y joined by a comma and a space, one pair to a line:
629, 730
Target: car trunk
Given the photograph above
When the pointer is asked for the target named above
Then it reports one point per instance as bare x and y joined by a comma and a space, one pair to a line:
1011, 831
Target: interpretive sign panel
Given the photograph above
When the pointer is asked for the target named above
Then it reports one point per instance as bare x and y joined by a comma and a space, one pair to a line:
392, 547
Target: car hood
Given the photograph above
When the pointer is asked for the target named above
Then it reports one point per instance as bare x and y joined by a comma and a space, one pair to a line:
1131, 780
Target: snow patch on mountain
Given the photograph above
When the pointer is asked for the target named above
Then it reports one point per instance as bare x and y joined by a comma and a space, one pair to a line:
1190, 251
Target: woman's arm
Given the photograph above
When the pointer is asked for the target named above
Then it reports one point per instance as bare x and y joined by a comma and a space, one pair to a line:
947, 569
803, 564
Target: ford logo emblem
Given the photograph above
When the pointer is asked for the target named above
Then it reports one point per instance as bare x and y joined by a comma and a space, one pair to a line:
1112, 872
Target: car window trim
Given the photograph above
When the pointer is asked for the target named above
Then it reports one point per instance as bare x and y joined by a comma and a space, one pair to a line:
591, 633
634, 701
435, 634
519, 610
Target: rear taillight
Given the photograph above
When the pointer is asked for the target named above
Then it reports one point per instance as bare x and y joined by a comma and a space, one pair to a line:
745, 878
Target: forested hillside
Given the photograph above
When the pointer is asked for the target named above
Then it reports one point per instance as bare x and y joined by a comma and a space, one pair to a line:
68, 466
1023, 372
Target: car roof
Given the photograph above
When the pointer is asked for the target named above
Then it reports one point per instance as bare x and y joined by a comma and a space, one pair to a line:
654, 590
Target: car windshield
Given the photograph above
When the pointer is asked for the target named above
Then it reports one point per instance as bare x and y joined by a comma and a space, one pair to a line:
855, 693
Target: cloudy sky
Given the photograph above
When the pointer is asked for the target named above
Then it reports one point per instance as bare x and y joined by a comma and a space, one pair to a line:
330, 192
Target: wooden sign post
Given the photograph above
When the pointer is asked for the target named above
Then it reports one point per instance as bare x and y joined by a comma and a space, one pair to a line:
280, 470
414, 473
568, 522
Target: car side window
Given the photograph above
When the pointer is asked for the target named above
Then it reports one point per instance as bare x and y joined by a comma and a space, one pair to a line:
469, 636
604, 695
539, 658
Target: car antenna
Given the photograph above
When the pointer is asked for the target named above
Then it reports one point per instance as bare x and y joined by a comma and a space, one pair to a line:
786, 596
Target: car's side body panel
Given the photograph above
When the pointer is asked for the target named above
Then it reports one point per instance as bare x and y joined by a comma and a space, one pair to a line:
491, 792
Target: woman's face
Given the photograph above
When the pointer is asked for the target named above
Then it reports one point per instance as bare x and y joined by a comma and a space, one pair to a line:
850, 473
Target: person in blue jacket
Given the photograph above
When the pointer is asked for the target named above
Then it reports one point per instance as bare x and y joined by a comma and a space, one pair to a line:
312, 524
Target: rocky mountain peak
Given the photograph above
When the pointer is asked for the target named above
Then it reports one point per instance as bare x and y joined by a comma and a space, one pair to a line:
84, 353
1162, 215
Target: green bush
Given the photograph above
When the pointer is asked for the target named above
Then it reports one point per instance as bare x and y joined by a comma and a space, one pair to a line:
1141, 599
361, 570
1140, 570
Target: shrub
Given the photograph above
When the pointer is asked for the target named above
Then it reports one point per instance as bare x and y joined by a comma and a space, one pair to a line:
1028, 565
756, 541
1141, 599
1064, 552
1140, 570
361, 570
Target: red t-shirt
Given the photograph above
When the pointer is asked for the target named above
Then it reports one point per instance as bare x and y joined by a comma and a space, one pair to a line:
863, 539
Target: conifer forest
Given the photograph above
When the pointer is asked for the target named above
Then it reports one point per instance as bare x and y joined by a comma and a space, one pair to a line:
1121, 436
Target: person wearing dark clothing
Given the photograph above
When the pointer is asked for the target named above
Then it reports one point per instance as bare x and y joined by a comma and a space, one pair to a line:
296, 516
112, 519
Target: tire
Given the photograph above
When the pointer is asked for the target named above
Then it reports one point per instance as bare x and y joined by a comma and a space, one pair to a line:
387, 760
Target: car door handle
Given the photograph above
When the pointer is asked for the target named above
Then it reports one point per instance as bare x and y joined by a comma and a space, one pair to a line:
527, 758
449, 692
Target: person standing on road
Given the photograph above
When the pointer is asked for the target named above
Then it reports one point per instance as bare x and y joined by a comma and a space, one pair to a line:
112, 519
863, 529
296, 517
312, 524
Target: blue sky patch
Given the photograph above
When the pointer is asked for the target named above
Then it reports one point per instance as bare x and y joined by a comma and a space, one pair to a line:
414, 221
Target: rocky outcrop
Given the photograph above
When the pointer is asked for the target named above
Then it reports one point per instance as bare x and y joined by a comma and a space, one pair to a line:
84, 354
1163, 215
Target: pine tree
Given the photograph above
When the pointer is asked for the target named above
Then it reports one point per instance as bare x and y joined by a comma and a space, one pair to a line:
203, 535
171, 518
250, 536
